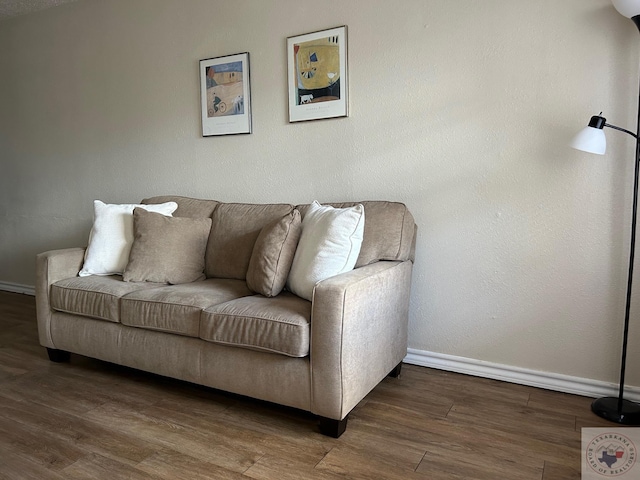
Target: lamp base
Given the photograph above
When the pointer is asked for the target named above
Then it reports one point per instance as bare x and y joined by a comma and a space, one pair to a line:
607, 408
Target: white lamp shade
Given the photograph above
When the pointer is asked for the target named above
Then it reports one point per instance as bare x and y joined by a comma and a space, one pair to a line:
628, 8
590, 140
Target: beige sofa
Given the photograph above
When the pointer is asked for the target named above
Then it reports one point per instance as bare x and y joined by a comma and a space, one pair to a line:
322, 356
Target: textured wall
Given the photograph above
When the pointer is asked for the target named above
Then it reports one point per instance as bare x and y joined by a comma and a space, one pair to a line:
461, 109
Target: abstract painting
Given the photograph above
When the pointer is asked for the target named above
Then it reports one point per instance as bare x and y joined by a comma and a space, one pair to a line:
317, 70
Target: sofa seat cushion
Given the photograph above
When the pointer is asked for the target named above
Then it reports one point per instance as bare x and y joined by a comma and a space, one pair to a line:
177, 308
95, 296
278, 324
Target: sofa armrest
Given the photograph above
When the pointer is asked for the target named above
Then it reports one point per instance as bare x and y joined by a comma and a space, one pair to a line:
50, 267
358, 334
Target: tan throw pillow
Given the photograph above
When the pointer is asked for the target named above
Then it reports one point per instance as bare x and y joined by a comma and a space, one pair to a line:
273, 254
167, 249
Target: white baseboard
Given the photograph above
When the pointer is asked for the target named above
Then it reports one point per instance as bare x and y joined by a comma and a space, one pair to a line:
551, 381
17, 288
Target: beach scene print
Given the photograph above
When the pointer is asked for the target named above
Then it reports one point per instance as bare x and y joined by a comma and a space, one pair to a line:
225, 89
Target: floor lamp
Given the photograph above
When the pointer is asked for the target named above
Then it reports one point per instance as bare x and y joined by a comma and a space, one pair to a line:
591, 139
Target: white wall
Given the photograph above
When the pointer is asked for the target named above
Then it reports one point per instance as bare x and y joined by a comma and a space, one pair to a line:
460, 108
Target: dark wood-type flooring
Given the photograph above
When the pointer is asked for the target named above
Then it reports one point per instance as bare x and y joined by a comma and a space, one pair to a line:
93, 420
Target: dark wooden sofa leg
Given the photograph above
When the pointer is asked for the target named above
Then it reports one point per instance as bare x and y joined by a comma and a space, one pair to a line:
395, 373
58, 356
333, 428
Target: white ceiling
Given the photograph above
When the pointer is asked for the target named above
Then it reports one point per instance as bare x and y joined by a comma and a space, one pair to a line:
12, 8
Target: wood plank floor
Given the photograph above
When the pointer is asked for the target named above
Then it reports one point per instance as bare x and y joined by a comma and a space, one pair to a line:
93, 420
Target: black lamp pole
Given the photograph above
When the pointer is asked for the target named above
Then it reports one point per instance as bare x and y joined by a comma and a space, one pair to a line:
618, 409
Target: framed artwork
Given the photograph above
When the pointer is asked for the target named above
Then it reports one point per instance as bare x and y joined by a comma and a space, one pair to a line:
225, 95
317, 71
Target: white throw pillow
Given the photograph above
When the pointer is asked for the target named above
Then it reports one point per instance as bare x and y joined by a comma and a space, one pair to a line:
329, 245
111, 237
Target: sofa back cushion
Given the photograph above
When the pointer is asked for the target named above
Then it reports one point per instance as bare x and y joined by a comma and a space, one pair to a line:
389, 231
234, 230
187, 207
